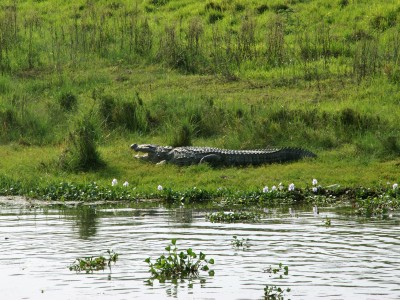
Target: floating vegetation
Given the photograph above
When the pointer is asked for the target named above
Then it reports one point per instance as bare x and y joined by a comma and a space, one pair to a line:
273, 292
93, 263
240, 243
232, 217
366, 202
377, 206
179, 265
327, 222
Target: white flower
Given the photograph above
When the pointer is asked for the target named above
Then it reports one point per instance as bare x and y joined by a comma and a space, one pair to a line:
126, 183
291, 187
314, 189
395, 186
273, 188
314, 181
280, 186
160, 188
265, 189
114, 182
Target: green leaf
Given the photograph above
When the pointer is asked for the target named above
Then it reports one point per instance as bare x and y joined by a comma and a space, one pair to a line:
205, 268
173, 241
211, 272
211, 261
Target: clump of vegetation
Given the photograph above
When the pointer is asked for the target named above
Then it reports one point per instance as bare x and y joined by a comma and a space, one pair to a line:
232, 217
94, 263
193, 195
68, 101
179, 265
327, 222
273, 292
240, 243
380, 205
183, 136
81, 152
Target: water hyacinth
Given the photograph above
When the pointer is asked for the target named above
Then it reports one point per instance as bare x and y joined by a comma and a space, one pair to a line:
273, 189
114, 182
314, 181
291, 187
126, 184
160, 188
265, 189
280, 186
315, 189
395, 186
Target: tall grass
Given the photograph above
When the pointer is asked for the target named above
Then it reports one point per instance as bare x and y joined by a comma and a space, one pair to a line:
80, 153
270, 37
277, 45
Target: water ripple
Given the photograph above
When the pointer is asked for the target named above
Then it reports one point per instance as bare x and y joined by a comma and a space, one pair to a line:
348, 260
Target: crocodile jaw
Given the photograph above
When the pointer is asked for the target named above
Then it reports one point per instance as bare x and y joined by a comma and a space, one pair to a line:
145, 150
151, 152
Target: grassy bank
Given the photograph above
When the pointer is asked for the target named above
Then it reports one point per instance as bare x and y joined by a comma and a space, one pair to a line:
77, 90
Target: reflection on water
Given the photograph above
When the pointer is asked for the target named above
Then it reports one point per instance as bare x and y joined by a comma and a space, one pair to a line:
348, 260
86, 220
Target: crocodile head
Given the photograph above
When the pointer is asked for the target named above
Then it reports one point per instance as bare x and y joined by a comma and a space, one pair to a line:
153, 153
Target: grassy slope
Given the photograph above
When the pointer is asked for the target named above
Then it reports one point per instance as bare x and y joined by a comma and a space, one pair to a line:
344, 161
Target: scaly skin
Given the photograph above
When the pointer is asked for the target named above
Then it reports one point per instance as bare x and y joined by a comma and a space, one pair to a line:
185, 156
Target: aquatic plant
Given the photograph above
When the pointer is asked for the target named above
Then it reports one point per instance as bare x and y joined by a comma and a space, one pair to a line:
327, 222
114, 182
233, 216
240, 243
179, 265
193, 195
94, 263
377, 205
273, 292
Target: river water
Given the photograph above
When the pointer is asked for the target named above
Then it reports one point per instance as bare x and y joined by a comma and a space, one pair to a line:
351, 259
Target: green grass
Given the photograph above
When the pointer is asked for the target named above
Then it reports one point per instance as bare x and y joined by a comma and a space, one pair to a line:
235, 74
36, 166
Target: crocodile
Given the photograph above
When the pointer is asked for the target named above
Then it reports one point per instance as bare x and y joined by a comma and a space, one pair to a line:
184, 156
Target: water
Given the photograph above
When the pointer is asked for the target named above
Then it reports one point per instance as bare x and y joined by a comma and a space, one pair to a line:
348, 260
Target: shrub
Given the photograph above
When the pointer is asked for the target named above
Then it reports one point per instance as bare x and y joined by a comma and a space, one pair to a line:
183, 137
68, 101
239, 7
158, 2
343, 3
81, 152
262, 8
215, 16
